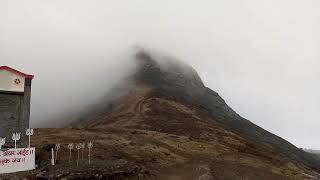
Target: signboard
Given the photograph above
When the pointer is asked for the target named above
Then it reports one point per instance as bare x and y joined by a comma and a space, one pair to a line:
11, 82
16, 160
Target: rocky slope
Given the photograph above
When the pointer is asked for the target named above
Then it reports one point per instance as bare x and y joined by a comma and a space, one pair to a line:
167, 96
162, 122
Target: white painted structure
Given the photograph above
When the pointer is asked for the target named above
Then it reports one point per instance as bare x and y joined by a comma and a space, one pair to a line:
11, 82
16, 160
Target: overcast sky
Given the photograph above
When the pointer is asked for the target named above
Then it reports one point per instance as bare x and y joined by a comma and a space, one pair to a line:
261, 56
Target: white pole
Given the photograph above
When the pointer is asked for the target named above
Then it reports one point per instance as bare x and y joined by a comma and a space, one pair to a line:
70, 146
90, 145
69, 155
56, 156
52, 157
2, 142
57, 147
15, 137
78, 157
82, 154
78, 148
89, 156
83, 146
29, 141
29, 132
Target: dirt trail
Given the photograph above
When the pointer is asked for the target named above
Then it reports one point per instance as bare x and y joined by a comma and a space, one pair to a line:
187, 171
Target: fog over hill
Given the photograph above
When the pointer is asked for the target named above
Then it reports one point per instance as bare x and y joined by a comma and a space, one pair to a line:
261, 57
168, 96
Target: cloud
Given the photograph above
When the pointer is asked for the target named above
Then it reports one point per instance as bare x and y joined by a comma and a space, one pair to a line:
261, 56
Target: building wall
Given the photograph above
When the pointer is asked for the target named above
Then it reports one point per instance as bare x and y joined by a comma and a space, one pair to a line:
14, 114
7, 82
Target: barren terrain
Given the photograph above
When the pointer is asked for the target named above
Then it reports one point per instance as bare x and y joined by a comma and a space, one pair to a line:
136, 154
162, 122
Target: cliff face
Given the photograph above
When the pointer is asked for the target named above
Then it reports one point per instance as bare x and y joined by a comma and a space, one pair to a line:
168, 96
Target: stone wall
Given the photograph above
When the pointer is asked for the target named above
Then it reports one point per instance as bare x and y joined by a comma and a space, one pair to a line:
14, 115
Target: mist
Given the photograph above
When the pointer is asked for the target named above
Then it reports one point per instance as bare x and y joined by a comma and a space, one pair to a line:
262, 57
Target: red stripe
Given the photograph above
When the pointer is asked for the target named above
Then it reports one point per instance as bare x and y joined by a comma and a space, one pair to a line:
16, 72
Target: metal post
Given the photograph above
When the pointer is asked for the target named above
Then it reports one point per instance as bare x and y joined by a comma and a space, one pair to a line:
83, 146
69, 155
70, 146
29, 132
82, 154
78, 157
89, 157
90, 145
15, 138
57, 147
2, 142
52, 157
78, 148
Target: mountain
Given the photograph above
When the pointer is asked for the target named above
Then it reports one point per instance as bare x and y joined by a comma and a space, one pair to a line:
166, 95
162, 122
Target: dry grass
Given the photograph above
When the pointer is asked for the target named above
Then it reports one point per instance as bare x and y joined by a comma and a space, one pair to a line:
151, 152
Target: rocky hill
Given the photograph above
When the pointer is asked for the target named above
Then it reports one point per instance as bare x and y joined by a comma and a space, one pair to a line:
167, 96
162, 122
